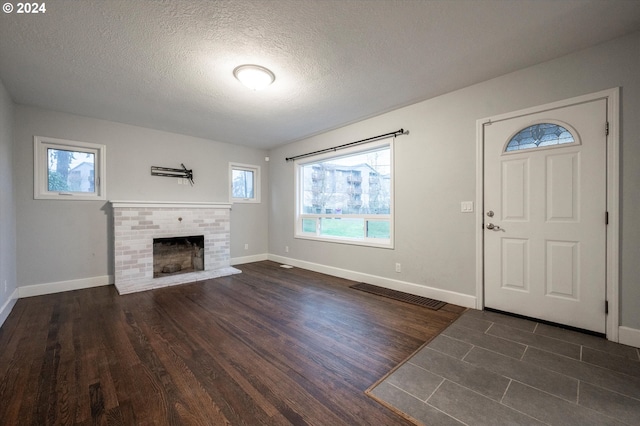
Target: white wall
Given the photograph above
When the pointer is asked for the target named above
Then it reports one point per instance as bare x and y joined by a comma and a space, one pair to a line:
436, 170
7, 207
65, 241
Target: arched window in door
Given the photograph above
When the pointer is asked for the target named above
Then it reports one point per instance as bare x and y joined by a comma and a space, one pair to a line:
538, 136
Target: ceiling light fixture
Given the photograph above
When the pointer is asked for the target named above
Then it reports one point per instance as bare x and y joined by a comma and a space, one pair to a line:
254, 77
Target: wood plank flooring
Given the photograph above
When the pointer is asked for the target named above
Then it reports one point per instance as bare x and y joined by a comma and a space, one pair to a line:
270, 346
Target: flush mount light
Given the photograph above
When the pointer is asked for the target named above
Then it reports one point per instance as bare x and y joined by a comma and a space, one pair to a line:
254, 77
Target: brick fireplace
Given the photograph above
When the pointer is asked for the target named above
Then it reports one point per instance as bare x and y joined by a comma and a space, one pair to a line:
136, 224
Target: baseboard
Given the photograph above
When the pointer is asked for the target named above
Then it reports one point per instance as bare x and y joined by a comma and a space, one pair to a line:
418, 289
629, 336
248, 259
5, 310
60, 286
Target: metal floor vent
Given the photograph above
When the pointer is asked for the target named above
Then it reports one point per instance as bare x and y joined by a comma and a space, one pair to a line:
398, 295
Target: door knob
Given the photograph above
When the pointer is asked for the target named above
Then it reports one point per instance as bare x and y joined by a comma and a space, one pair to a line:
493, 227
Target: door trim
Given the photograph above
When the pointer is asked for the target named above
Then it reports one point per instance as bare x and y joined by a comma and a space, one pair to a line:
612, 97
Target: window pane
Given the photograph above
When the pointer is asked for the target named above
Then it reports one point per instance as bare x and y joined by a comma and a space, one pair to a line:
543, 134
342, 227
355, 184
378, 229
309, 225
242, 183
70, 171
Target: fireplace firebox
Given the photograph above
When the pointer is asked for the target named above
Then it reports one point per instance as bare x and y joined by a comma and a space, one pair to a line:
177, 255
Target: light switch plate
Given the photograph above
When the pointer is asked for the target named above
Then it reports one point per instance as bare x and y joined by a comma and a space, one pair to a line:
466, 206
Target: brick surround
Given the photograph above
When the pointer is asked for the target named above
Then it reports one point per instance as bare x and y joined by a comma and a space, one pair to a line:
136, 224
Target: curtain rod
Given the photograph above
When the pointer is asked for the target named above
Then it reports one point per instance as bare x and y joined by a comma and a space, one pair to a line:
346, 145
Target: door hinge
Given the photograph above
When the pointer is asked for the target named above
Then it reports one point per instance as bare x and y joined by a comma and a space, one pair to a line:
606, 218
606, 307
606, 129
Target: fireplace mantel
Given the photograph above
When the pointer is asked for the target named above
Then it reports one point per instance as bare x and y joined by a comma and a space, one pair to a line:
170, 204
137, 223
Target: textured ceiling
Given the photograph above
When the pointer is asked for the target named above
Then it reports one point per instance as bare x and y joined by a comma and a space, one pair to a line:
168, 64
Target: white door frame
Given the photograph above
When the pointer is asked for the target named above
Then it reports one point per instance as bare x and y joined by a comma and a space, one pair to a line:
612, 97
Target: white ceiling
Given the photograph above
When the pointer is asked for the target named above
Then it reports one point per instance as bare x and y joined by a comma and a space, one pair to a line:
168, 64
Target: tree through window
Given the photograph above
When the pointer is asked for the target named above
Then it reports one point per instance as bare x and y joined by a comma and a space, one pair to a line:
68, 170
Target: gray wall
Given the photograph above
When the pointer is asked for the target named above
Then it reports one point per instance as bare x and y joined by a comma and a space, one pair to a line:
7, 202
69, 240
436, 170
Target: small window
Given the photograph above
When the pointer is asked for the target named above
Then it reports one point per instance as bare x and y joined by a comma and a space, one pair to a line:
538, 136
68, 170
245, 183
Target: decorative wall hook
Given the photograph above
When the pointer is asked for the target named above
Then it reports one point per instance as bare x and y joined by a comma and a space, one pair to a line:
182, 173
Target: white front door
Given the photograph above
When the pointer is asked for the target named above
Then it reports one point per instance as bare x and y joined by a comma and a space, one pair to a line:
545, 207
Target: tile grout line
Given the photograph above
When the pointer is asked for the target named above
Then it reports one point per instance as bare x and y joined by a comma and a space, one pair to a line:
489, 328
506, 390
425, 401
481, 347
537, 336
543, 391
404, 391
495, 401
602, 413
526, 348
534, 331
507, 377
577, 404
468, 352
434, 391
591, 383
562, 339
581, 355
438, 409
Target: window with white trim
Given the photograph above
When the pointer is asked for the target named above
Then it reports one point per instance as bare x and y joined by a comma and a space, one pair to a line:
347, 197
245, 183
68, 170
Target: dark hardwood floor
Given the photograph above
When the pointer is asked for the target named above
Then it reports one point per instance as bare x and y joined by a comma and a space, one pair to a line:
268, 346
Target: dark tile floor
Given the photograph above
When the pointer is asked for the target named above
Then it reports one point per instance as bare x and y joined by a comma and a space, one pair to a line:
493, 369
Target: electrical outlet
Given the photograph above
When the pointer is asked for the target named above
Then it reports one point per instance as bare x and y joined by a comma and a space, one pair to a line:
286, 249
246, 246
398, 267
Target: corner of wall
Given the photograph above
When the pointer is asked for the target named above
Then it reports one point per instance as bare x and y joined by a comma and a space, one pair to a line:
8, 265
629, 336
5, 310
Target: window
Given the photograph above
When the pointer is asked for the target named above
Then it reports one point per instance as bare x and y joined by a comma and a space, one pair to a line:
245, 183
68, 170
347, 198
538, 136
